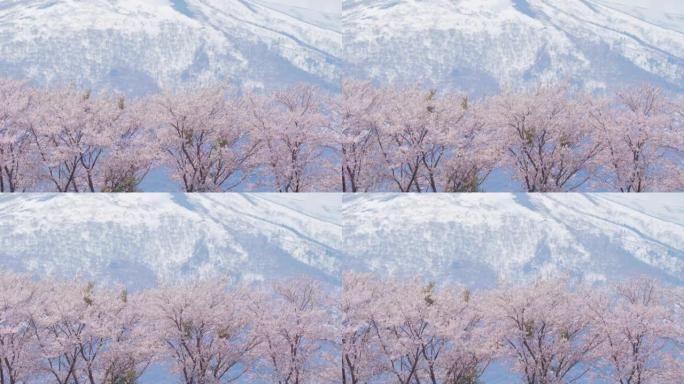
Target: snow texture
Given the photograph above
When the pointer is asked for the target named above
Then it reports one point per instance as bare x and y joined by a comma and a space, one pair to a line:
480, 240
141, 46
480, 46
484, 46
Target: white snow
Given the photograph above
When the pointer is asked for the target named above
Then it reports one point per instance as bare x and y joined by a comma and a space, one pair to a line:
143, 239
165, 43
483, 239
512, 43
479, 46
477, 239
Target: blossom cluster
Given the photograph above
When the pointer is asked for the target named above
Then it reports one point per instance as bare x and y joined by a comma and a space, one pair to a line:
364, 139
369, 330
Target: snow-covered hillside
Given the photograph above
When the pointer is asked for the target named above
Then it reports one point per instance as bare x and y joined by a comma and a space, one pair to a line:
485, 45
477, 239
483, 239
140, 46
141, 240
476, 45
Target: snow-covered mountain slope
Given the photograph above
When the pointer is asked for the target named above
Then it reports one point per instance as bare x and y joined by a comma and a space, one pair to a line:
141, 46
482, 46
475, 45
140, 240
483, 239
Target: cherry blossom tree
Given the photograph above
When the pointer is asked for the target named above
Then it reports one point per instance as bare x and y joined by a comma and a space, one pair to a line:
134, 150
361, 355
297, 151
204, 138
635, 322
71, 132
409, 331
58, 328
205, 329
463, 346
117, 347
297, 334
472, 150
88, 335
17, 347
430, 336
17, 102
377, 331
546, 331
357, 109
405, 132
365, 139
549, 144
673, 371
432, 142
643, 140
